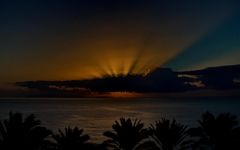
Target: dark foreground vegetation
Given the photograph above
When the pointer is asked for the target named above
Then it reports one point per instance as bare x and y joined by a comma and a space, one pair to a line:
220, 132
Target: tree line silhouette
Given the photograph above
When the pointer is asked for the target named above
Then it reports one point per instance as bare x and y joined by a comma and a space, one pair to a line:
220, 132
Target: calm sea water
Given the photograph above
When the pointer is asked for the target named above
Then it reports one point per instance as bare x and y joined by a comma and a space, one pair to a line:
98, 115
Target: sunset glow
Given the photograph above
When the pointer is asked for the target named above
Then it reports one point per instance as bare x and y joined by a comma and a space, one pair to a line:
108, 43
83, 40
119, 74
125, 95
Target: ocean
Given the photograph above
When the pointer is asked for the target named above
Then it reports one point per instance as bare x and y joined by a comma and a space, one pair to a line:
96, 115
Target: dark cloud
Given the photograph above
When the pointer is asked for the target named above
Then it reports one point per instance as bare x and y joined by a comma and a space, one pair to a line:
218, 77
161, 80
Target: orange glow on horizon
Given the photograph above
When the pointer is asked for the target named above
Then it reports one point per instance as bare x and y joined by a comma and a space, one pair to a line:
125, 94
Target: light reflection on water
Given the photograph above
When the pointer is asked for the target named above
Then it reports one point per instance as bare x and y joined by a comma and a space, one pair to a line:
97, 115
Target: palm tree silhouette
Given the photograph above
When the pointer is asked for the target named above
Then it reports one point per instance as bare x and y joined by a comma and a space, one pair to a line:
150, 143
216, 133
71, 139
19, 133
126, 134
170, 133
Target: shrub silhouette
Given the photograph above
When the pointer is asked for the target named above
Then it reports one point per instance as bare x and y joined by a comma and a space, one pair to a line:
126, 134
71, 139
216, 133
170, 133
19, 133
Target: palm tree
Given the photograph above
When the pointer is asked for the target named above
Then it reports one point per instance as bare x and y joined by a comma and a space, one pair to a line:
170, 133
126, 134
150, 143
71, 139
19, 133
216, 133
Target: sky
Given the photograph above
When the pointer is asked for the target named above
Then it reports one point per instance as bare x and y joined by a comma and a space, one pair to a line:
74, 40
